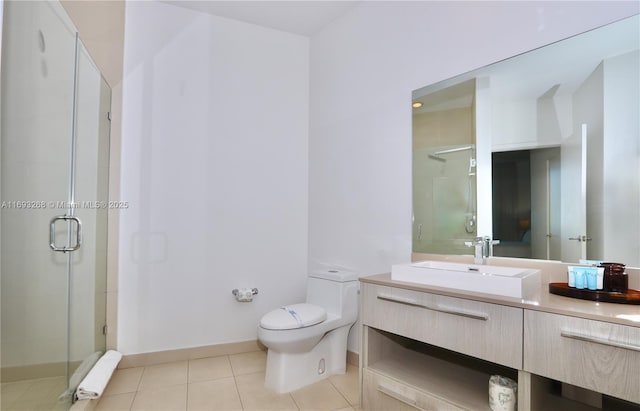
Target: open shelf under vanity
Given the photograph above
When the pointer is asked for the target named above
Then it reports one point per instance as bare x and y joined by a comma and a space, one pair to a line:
418, 374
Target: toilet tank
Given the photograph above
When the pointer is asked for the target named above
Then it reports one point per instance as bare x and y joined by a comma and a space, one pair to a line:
334, 289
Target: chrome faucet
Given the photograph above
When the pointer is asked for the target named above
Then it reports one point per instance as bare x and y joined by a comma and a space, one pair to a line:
483, 248
478, 244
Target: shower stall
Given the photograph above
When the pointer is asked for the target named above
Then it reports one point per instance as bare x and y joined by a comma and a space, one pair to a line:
54, 192
444, 170
444, 198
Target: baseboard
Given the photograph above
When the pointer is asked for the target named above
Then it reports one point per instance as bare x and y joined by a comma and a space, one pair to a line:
159, 357
32, 372
353, 358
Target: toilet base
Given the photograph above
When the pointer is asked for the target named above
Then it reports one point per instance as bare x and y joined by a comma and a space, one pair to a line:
288, 372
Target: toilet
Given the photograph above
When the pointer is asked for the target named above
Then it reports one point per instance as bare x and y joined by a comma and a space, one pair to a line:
307, 342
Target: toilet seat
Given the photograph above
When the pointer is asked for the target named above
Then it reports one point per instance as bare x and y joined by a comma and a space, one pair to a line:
293, 316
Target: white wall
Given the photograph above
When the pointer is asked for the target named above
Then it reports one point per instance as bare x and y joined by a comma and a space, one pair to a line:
218, 190
622, 158
363, 69
588, 108
214, 167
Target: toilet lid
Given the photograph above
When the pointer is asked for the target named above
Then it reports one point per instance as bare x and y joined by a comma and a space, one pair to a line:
293, 316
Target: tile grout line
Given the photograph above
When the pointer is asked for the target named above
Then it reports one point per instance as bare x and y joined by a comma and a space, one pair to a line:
294, 401
135, 393
235, 383
340, 392
186, 399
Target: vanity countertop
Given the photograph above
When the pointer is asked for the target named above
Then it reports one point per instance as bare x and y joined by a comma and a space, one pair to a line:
623, 314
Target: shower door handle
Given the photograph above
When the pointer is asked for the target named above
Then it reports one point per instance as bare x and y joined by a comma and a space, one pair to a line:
52, 233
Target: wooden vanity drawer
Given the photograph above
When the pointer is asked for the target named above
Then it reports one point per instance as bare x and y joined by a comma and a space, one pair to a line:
488, 331
381, 393
596, 355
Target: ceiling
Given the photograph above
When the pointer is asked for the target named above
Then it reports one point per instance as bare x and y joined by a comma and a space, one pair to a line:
299, 17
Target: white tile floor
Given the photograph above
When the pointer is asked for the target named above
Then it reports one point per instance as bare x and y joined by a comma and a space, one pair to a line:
232, 382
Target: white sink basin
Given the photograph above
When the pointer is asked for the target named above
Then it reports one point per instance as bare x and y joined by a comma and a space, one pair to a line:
504, 281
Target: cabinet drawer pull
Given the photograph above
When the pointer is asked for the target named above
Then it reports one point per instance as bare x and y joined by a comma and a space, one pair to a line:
475, 316
397, 396
603, 341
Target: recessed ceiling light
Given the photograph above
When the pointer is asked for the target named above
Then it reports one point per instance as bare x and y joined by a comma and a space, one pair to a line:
416, 104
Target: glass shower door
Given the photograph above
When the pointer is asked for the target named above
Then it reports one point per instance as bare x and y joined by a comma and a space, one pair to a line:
52, 155
38, 55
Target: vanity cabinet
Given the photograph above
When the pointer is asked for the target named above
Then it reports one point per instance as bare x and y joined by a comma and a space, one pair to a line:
426, 351
596, 355
433, 352
487, 331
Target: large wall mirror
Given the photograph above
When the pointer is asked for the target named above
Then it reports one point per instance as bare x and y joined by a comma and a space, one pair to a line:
540, 151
